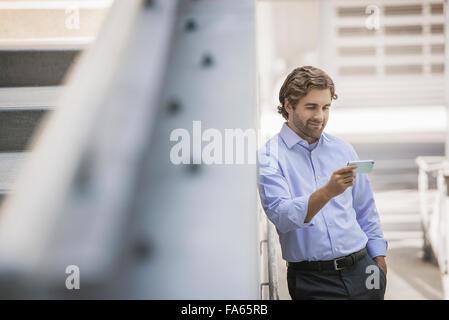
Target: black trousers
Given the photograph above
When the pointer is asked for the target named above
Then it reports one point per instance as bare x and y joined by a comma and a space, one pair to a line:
362, 281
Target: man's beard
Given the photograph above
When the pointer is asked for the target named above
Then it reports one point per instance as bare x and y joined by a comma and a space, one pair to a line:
302, 127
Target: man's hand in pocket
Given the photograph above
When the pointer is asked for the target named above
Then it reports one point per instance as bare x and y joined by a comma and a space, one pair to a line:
380, 260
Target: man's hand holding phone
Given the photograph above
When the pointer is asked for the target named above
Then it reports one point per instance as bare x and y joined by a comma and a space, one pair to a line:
340, 180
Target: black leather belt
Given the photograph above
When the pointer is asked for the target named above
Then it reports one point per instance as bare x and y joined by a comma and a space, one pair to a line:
335, 264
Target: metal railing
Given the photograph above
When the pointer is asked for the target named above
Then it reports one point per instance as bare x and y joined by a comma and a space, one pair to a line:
434, 219
272, 262
269, 259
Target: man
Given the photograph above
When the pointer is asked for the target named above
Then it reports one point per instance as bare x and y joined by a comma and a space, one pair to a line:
324, 213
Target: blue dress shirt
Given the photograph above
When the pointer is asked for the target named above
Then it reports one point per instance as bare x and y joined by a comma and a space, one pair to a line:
289, 171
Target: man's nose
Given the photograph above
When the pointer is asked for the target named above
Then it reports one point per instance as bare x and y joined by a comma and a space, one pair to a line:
318, 116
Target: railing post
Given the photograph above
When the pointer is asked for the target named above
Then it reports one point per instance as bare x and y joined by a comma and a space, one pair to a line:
423, 186
272, 263
443, 240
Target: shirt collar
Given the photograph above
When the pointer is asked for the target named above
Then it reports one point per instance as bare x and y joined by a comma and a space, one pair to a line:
291, 138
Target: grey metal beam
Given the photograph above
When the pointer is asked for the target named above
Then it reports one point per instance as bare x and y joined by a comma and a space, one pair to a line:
86, 160
99, 190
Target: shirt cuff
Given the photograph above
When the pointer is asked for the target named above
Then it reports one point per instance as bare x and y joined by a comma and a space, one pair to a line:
377, 247
301, 204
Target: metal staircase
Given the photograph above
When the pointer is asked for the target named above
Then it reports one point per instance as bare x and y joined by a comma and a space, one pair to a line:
388, 52
39, 42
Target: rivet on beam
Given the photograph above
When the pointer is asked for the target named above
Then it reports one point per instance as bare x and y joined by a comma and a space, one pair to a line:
190, 25
174, 106
207, 60
142, 249
149, 4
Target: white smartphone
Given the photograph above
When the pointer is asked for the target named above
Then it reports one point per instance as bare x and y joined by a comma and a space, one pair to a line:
363, 166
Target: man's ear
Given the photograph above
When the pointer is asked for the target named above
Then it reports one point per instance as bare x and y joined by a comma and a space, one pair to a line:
287, 106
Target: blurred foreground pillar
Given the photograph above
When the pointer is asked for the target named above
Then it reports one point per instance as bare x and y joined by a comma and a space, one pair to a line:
101, 198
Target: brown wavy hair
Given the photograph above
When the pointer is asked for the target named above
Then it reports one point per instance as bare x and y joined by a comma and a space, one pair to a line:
298, 84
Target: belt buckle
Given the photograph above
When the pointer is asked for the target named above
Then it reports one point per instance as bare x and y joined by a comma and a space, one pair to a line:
336, 263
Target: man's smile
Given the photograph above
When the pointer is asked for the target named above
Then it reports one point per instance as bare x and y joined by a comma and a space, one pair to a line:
315, 125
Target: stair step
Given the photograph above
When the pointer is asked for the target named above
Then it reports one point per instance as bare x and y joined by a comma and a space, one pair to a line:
51, 20
34, 67
3, 194
17, 126
21, 111
22, 97
10, 164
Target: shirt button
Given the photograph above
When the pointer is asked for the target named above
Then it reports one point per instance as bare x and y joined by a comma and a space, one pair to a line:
318, 177
330, 225
336, 249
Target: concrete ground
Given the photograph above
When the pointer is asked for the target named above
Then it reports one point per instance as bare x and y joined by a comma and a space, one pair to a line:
409, 277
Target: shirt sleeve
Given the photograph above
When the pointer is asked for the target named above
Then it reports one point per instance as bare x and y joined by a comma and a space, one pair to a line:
285, 212
367, 214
